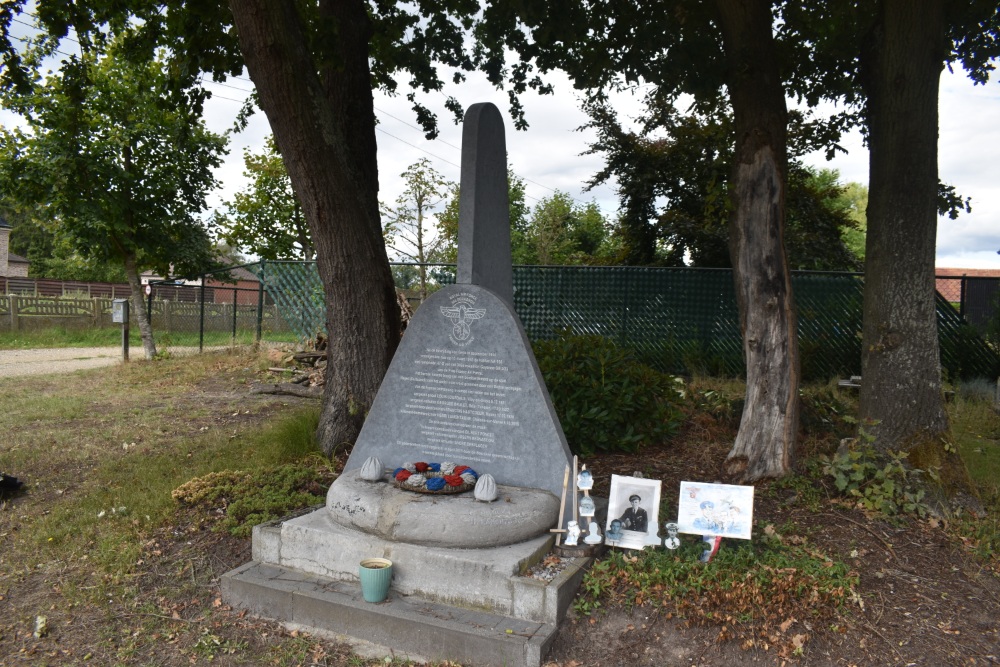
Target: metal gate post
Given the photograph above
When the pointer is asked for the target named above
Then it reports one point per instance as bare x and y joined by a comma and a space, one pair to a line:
201, 319
235, 297
260, 301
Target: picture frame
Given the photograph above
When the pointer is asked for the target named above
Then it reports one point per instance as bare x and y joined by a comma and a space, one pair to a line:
724, 510
645, 513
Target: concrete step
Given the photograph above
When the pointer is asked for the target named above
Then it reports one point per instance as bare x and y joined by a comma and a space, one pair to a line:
404, 624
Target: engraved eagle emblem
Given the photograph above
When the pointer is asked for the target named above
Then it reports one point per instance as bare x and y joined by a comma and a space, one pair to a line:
460, 316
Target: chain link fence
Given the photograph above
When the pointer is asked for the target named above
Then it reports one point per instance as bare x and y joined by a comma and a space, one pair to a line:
678, 320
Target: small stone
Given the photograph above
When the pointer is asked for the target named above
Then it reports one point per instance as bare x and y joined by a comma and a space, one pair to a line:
486, 489
372, 470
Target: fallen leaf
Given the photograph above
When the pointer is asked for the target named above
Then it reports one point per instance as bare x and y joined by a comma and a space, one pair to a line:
798, 641
787, 624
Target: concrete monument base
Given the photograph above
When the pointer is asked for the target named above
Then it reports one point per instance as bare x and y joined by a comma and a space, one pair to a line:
471, 605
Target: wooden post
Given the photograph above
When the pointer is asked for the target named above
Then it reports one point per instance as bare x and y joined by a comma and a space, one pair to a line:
562, 508
576, 508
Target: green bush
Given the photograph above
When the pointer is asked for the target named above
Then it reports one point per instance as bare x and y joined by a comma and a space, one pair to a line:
250, 498
877, 482
605, 399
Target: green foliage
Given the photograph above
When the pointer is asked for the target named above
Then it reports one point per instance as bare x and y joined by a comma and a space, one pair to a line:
562, 231
605, 399
447, 222
803, 487
876, 482
854, 200
251, 498
765, 581
265, 218
673, 184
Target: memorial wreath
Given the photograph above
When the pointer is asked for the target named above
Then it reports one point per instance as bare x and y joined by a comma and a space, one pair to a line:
434, 477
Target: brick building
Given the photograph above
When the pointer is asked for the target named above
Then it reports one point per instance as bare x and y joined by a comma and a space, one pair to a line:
949, 281
11, 265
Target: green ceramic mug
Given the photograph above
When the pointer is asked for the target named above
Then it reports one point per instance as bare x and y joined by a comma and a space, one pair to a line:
375, 574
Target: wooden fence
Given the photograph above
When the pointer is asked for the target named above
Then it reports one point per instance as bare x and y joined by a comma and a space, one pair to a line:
18, 312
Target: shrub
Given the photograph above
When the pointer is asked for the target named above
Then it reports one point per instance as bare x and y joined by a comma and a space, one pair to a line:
605, 399
250, 498
877, 482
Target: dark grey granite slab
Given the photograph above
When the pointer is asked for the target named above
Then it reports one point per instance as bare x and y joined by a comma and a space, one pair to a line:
484, 255
464, 387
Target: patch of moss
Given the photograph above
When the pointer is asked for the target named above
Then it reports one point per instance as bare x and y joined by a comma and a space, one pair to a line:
247, 499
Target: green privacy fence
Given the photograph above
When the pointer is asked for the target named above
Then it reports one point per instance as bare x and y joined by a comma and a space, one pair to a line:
679, 320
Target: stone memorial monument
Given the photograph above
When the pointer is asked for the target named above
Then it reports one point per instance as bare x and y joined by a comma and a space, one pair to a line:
463, 397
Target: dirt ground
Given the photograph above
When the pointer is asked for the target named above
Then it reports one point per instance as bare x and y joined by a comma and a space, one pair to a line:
924, 600
924, 597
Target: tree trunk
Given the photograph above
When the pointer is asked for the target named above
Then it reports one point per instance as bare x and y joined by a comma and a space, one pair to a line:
323, 121
769, 425
139, 306
901, 401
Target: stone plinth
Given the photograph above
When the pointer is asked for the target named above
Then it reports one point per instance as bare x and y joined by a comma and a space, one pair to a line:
456, 521
483, 579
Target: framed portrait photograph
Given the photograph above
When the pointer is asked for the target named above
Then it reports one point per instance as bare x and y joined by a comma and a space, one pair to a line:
633, 512
725, 510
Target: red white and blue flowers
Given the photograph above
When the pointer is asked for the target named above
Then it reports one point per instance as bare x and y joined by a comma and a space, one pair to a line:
435, 477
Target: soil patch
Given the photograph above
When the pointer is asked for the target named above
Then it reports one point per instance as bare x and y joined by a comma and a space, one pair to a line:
924, 597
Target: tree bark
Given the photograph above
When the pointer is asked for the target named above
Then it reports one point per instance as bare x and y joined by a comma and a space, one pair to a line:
320, 109
139, 306
769, 424
901, 62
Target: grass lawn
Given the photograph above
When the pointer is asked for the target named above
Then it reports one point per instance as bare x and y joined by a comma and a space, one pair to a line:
143, 480
112, 337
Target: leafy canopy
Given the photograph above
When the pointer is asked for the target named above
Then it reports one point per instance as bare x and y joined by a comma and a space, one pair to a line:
673, 178
116, 160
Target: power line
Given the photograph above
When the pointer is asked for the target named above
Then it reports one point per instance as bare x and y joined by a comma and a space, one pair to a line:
226, 85
386, 113
436, 157
381, 111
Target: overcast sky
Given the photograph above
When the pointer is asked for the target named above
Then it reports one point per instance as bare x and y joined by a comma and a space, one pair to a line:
549, 154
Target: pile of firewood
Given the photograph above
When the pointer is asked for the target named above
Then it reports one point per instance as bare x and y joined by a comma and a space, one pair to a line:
303, 373
300, 373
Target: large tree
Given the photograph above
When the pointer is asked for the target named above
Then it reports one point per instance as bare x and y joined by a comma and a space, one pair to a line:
118, 163
701, 48
770, 420
885, 57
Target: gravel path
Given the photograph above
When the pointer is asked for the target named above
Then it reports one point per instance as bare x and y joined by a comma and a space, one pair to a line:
14, 363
